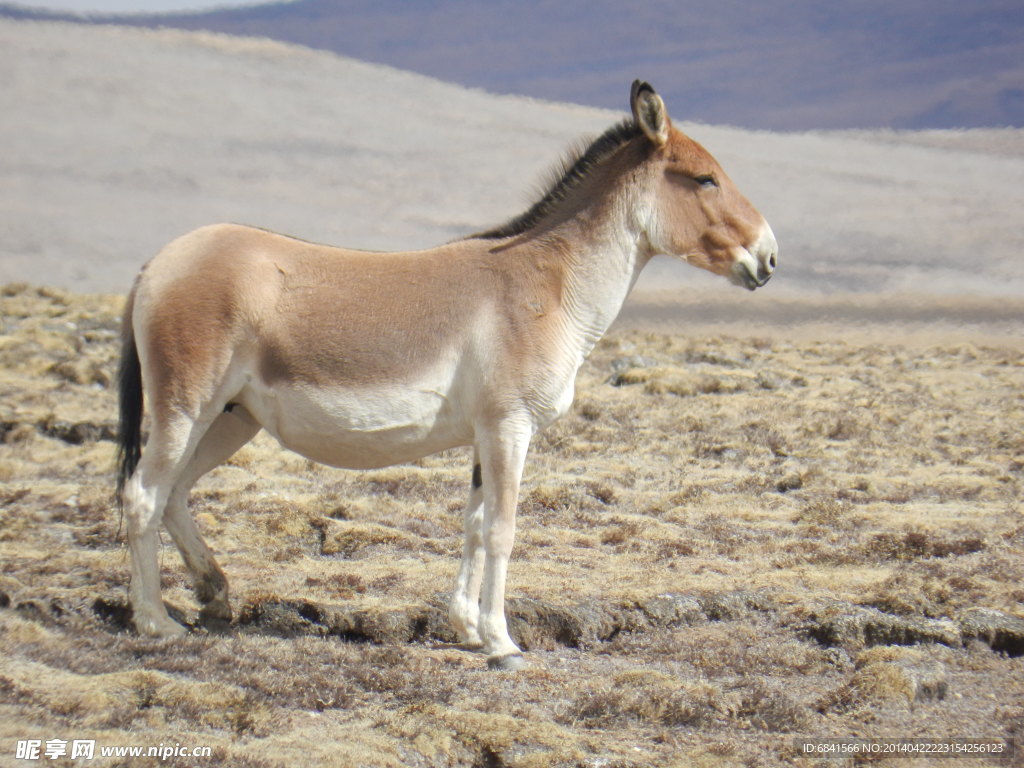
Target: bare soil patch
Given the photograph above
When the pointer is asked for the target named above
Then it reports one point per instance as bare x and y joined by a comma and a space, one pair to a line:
730, 542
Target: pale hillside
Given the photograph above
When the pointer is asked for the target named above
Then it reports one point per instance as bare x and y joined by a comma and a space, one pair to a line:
117, 140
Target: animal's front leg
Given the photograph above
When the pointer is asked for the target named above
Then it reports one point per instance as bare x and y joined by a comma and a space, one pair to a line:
464, 609
502, 455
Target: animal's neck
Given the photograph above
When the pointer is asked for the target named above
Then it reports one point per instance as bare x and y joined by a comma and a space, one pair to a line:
603, 264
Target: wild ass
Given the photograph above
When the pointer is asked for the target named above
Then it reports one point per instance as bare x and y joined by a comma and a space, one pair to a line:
362, 360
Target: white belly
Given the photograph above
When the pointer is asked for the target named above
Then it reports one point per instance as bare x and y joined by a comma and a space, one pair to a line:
360, 428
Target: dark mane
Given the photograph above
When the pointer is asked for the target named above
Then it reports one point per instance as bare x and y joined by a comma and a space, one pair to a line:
573, 169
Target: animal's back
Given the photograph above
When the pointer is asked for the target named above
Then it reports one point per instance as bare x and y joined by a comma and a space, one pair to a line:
351, 358
317, 312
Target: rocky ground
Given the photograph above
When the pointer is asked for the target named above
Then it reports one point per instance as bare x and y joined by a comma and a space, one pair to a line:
730, 545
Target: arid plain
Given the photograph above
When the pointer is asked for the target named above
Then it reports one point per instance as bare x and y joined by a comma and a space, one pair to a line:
767, 518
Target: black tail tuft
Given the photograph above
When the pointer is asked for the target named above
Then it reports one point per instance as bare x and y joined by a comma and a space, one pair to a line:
129, 428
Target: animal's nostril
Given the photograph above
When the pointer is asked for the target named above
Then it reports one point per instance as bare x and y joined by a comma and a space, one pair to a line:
771, 261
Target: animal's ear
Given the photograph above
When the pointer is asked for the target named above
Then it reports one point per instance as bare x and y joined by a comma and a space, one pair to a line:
649, 112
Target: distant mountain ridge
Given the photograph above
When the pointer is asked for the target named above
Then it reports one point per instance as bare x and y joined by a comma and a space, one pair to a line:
780, 65
118, 139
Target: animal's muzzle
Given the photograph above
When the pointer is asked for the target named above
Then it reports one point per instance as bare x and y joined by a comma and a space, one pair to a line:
756, 264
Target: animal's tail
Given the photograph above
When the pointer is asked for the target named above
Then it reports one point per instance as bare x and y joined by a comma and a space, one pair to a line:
129, 427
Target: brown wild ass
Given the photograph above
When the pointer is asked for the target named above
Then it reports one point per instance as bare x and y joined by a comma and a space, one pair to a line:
360, 360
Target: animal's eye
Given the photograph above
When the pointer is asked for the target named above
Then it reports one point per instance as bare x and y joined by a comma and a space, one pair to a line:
706, 180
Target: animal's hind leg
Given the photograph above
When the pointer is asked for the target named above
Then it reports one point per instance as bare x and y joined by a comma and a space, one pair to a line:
167, 452
228, 433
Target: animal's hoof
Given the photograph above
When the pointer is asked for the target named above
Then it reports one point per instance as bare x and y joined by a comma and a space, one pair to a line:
511, 662
215, 621
216, 610
165, 628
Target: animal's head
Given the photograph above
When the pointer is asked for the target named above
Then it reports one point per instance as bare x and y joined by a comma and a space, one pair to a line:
696, 213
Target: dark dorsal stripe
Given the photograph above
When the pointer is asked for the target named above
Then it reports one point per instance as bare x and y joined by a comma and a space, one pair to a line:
573, 169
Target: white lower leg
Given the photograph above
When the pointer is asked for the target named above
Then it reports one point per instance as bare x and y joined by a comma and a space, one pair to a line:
149, 614
499, 533
503, 454
464, 609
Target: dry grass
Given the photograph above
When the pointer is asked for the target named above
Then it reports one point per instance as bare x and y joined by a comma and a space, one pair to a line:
705, 503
